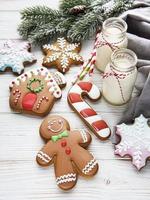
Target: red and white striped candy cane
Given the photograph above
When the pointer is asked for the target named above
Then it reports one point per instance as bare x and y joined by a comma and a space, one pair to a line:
85, 111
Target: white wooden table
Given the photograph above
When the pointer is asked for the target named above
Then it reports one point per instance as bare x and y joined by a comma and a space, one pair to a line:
20, 176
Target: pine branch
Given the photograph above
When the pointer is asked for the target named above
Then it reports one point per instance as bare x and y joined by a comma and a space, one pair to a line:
26, 27
47, 32
92, 21
77, 20
113, 8
41, 13
43, 35
85, 28
66, 5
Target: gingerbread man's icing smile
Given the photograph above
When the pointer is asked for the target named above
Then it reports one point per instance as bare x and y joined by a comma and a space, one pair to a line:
55, 125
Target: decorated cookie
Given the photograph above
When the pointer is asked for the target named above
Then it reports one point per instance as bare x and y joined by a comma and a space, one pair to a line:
66, 149
62, 55
35, 91
135, 141
93, 120
15, 55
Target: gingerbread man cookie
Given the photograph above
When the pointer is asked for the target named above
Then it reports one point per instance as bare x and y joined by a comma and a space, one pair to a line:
135, 141
35, 91
66, 149
14, 56
62, 55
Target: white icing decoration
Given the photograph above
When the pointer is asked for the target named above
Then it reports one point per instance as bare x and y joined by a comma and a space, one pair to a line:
59, 78
64, 52
66, 178
93, 118
76, 89
16, 93
94, 93
135, 141
44, 157
80, 106
104, 132
84, 135
53, 57
61, 123
13, 55
90, 165
44, 98
53, 86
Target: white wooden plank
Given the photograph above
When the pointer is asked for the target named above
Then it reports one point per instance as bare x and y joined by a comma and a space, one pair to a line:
20, 139
14, 5
115, 180
21, 177
9, 22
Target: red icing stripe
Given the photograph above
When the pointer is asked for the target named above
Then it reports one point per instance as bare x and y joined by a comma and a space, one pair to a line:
99, 125
88, 112
74, 97
85, 86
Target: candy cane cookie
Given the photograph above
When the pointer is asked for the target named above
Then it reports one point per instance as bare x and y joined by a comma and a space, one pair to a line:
85, 111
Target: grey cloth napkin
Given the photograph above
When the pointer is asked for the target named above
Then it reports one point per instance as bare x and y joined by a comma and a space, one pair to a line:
138, 20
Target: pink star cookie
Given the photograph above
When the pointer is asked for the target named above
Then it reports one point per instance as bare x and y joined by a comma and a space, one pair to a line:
135, 141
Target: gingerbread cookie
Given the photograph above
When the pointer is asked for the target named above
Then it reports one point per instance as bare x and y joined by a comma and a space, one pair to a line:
62, 55
93, 120
135, 141
15, 55
35, 91
66, 149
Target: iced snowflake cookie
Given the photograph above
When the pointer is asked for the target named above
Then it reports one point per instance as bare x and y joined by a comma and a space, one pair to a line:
62, 55
15, 56
66, 149
135, 141
36, 91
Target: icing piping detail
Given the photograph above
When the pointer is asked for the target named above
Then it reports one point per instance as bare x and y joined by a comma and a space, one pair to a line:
135, 141
17, 97
51, 83
66, 178
84, 135
90, 165
44, 157
64, 52
44, 98
50, 123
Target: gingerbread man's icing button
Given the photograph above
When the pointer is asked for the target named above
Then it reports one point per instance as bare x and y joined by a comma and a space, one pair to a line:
68, 150
64, 143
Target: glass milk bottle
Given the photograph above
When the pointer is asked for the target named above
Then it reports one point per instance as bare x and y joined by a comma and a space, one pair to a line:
119, 77
113, 36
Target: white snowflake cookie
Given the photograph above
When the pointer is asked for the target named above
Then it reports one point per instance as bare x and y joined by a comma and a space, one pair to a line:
62, 55
135, 141
15, 55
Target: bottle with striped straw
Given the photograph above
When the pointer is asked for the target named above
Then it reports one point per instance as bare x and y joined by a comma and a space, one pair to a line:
113, 36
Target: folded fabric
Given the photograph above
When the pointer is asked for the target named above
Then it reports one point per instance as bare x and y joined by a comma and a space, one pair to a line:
138, 20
